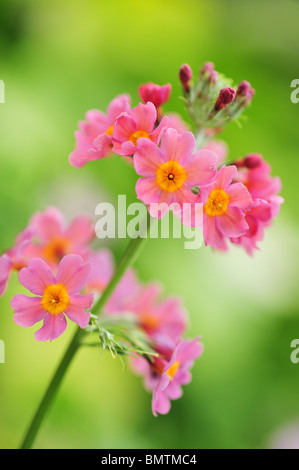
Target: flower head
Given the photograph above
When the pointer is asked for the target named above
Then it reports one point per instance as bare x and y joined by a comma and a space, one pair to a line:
254, 173
15, 258
53, 238
169, 173
175, 374
138, 123
54, 296
94, 137
224, 208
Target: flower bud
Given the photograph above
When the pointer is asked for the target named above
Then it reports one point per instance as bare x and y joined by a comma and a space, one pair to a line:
226, 96
158, 95
185, 76
245, 91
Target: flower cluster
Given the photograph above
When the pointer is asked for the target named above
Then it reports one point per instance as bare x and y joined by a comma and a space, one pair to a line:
182, 170
57, 264
68, 277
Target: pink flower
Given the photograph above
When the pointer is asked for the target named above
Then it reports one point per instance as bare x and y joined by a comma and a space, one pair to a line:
94, 137
55, 296
175, 374
156, 94
135, 124
254, 173
164, 376
169, 173
15, 258
224, 208
55, 239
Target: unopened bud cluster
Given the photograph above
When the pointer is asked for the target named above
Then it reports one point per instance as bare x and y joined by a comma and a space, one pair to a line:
211, 100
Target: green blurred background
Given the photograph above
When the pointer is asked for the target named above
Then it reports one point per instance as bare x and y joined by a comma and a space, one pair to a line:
61, 58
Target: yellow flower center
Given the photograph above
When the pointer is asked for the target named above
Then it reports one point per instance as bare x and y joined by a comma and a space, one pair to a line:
55, 299
56, 249
109, 131
170, 176
173, 370
149, 321
217, 203
136, 135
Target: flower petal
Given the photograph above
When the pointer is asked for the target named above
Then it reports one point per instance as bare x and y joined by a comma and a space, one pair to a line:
53, 327
201, 168
28, 310
72, 273
239, 196
37, 276
177, 147
232, 223
147, 158
225, 176
76, 309
145, 116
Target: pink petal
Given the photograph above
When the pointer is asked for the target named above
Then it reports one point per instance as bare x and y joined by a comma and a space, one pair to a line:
145, 116
37, 276
232, 223
178, 147
80, 231
102, 146
120, 104
147, 190
76, 309
201, 168
72, 273
124, 127
239, 196
28, 310
225, 176
212, 235
147, 158
5, 267
48, 224
53, 327
160, 403
174, 391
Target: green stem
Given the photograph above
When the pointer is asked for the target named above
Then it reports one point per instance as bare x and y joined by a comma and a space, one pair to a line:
126, 261
51, 390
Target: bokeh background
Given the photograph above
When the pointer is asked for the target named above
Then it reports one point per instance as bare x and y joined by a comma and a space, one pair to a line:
61, 58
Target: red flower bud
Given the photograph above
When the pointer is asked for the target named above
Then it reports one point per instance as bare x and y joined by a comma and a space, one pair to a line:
185, 75
245, 90
226, 96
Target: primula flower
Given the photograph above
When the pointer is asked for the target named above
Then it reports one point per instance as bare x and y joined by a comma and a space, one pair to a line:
254, 173
55, 239
169, 173
156, 94
15, 258
55, 296
138, 123
94, 137
165, 375
175, 374
224, 208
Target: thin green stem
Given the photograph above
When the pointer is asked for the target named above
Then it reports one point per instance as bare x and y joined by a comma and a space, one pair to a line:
52, 390
126, 261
